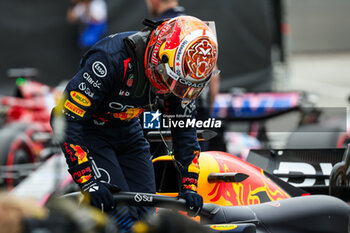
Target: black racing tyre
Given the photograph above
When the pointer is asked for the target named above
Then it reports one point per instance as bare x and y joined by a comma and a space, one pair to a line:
313, 136
14, 150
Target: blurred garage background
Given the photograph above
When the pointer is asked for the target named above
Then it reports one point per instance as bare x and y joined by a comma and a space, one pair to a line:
314, 37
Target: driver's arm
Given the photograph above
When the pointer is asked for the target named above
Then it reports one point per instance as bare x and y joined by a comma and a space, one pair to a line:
186, 151
185, 143
78, 106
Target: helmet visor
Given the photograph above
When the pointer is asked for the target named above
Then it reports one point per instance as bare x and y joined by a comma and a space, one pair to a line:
179, 86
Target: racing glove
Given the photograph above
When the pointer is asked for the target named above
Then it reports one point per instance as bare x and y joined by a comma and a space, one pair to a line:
194, 201
99, 194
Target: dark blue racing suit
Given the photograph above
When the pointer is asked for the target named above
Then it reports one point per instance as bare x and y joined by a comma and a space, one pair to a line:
104, 139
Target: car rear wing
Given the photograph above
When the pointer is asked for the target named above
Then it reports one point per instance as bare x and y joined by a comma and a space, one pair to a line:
260, 106
317, 171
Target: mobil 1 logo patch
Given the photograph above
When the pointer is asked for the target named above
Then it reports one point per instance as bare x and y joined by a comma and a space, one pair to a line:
99, 69
151, 120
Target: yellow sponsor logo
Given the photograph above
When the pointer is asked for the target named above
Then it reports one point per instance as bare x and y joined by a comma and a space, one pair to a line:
80, 98
84, 179
73, 108
223, 227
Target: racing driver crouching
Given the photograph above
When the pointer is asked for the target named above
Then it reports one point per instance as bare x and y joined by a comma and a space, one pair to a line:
120, 77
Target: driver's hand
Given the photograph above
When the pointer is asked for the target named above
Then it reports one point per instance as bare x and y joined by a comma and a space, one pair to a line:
194, 202
100, 195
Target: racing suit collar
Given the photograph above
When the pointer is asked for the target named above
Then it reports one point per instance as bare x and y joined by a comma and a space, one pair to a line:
136, 46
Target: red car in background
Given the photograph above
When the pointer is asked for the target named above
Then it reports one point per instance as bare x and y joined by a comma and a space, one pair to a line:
25, 126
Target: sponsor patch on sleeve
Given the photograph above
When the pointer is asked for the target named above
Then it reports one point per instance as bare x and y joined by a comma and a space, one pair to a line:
194, 166
79, 153
80, 98
83, 175
99, 69
74, 109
